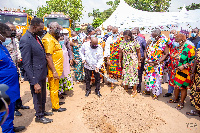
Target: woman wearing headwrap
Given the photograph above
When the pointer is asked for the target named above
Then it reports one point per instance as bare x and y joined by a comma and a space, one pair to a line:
182, 55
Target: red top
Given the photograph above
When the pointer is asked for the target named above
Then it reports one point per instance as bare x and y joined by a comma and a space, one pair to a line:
141, 35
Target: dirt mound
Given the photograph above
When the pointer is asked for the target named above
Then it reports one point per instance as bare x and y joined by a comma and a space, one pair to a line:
119, 112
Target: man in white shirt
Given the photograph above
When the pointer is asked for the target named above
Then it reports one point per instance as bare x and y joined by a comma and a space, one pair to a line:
92, 55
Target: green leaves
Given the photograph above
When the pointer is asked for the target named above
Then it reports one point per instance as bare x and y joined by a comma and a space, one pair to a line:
73, 8
193, 6
97, 22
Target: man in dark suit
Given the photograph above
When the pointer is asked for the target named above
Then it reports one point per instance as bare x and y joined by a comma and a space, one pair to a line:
35, 67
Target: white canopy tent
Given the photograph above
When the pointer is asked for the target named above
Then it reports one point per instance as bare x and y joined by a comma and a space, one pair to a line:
126, 17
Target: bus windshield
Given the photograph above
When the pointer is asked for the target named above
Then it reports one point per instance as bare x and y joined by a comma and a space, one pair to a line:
63, 22
16, 20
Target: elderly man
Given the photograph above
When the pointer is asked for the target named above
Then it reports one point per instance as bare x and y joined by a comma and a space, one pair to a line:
54, 56
195, 37
142, 43
138, 31
112, 50
35, 68
156, 52
92, 56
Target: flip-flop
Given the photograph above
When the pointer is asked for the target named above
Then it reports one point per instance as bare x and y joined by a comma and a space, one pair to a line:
192, 113
172, 101
145, 93
180, 106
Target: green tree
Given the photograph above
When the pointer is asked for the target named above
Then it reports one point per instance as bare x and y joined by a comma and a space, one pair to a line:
95, 13
73, 8
30, 12
193, 6
97, 22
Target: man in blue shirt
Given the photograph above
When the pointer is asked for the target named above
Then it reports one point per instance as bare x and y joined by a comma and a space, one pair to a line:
195, 37
142, 43
8, 76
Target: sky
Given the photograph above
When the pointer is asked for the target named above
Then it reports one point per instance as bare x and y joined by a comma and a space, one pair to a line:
88, 5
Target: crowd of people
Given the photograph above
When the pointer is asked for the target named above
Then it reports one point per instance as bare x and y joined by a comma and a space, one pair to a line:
46, 61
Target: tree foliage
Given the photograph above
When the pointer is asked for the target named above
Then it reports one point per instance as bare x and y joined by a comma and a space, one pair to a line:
73, 8
30, 12
145, 5
97, 22
193, 6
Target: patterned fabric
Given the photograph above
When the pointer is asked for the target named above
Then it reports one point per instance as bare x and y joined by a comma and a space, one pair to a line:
195, 90
12, 49
114, 68
102, 44
154, 74
130, 63
79, 66
53, 47
182, 78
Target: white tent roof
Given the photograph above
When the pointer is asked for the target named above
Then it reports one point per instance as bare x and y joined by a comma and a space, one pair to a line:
126, 17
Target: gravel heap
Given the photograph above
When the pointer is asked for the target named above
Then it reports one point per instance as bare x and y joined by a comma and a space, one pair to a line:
118, 112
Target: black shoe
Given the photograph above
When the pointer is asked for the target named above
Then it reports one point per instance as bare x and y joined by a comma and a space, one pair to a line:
64, 94
59, 110
61, 103
17, 113
48, 113
50, 119
87, 93
24, 107
167, 95
98, 94
18, 129
43, 120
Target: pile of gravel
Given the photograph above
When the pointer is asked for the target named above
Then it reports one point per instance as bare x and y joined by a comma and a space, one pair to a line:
118, 112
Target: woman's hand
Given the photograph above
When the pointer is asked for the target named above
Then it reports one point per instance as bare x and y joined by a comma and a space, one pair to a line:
180, 68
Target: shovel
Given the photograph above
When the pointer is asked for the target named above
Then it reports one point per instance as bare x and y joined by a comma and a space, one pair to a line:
107, 78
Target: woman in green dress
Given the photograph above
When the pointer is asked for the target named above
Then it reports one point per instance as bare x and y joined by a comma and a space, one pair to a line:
130, 50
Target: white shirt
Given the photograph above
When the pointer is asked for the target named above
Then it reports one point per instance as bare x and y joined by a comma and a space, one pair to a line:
110, 40
93, 57
189, 42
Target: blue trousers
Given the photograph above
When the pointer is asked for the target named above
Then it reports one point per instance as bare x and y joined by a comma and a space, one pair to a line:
7, 126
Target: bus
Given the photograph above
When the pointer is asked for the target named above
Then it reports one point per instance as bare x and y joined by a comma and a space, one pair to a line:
20, 19
63, 20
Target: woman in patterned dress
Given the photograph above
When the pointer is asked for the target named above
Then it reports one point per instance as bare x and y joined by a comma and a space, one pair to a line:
182, 56
195, 93
156, 52
78, 66
130, 49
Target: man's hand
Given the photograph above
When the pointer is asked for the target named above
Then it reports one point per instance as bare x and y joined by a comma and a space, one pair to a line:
96, 69
37, 88
120, 64
83, 61
71, 62
139, 64
55, 75
180, 68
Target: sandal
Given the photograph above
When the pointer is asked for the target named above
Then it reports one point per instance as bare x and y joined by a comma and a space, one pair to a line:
134, 94
172, 101
155, 97
192, 113
112, 87
180, 106
146, 93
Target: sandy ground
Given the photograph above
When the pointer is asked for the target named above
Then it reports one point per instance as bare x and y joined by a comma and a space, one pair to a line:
115, 112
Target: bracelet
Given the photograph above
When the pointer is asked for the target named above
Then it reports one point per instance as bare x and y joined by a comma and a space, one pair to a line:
54, 72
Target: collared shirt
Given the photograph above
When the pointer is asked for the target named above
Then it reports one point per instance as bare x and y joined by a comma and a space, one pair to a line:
93, 57
142, 43
53, 47
110, 40
12, 49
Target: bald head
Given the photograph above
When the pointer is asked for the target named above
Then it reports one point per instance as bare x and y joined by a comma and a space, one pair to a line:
94, 41
73, 33
54, 24
54, 29
134, 32
115, 30
109, 28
